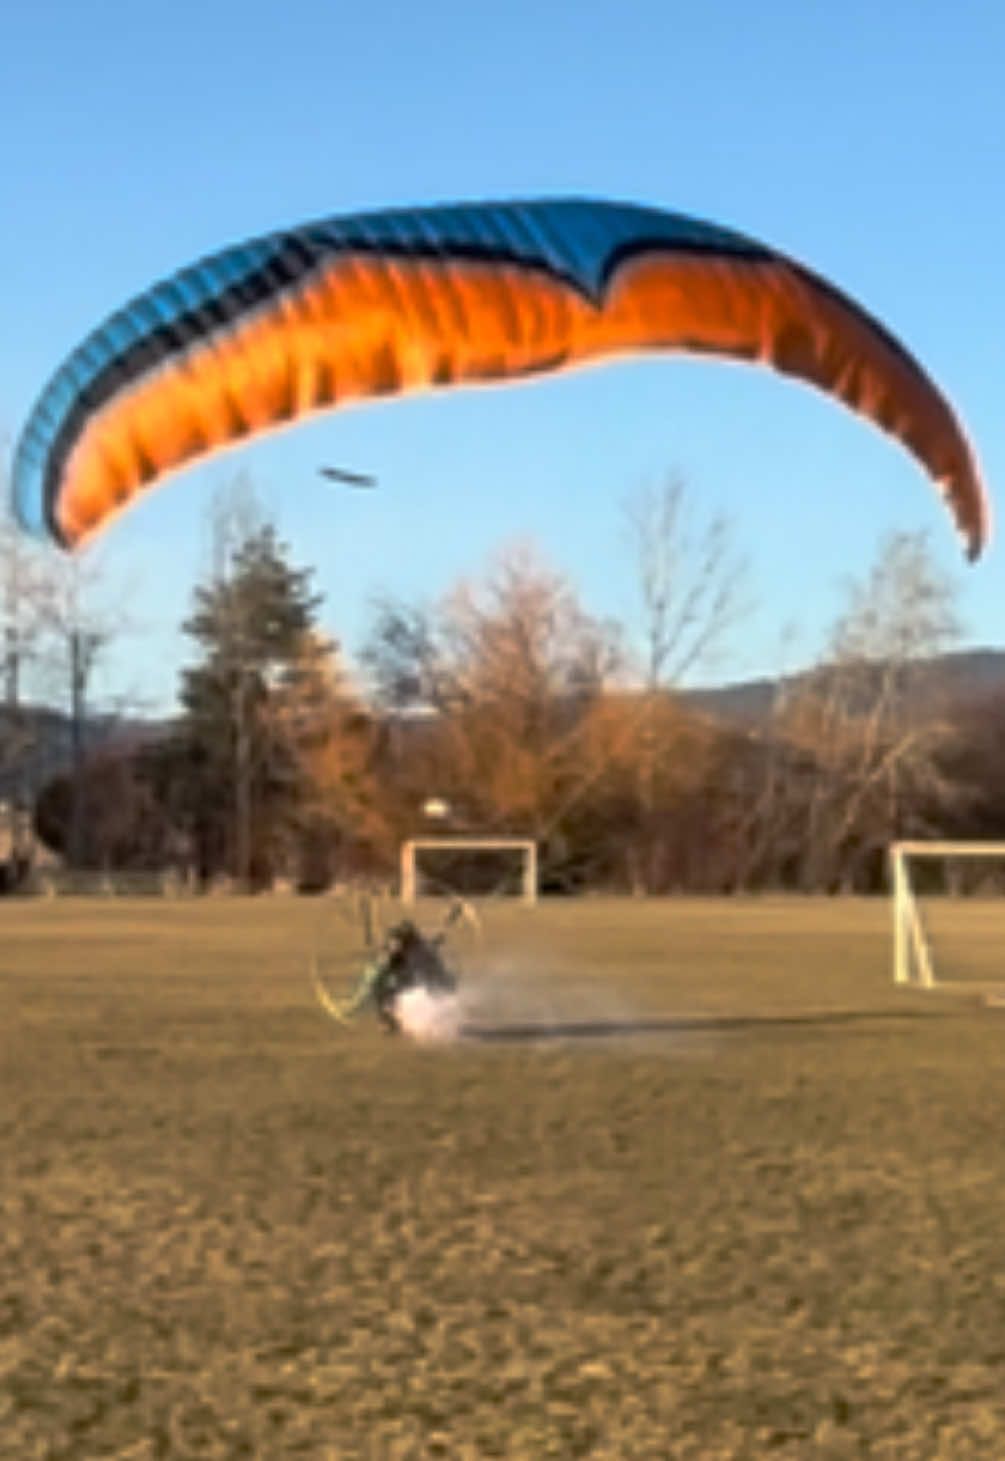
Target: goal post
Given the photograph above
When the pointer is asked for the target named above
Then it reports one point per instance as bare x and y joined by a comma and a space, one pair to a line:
913, 962
524, 847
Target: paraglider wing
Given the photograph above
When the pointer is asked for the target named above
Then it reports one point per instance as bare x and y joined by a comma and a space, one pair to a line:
371, 304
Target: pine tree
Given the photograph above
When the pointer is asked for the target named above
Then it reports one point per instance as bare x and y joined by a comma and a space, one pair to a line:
249, 621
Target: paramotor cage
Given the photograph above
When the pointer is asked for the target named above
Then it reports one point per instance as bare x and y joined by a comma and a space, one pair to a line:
400, 959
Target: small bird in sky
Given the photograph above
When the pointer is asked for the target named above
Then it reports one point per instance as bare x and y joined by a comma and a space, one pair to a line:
351, 479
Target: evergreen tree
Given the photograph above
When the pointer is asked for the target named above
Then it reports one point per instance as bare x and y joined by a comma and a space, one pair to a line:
249, 621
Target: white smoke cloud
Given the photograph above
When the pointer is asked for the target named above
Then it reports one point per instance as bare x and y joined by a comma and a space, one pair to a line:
520, 1000
427, 1017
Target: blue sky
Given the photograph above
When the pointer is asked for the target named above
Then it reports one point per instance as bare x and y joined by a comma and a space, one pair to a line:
867, 140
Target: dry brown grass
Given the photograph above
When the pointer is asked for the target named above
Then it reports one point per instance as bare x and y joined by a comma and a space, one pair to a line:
713, 1189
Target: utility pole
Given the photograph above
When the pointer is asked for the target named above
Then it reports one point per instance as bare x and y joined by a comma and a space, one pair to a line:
13, 649
242, 773
83, 645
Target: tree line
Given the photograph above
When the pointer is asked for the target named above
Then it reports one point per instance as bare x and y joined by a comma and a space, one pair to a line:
515, 711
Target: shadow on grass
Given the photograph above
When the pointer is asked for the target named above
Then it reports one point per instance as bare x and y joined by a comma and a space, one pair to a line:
527, 1031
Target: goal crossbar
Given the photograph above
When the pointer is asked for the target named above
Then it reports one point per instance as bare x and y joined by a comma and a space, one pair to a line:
524, 845
912, 955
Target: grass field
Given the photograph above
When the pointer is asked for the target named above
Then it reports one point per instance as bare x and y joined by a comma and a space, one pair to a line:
701, 1183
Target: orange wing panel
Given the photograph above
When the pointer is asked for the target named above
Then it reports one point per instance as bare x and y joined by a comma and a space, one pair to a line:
361, 326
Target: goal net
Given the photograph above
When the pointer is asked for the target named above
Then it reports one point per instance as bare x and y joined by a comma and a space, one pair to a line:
474, 866
949, 914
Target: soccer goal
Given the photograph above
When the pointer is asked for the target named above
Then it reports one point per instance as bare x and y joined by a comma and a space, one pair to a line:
511, 865
959, 939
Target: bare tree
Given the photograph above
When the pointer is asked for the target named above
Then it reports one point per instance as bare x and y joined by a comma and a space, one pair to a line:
857, 745
51, 639
693, 590
21, 602
77, 622
692, 582
512, 666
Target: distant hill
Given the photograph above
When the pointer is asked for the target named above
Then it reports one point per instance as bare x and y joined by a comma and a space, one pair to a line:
36, 743
963, 675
